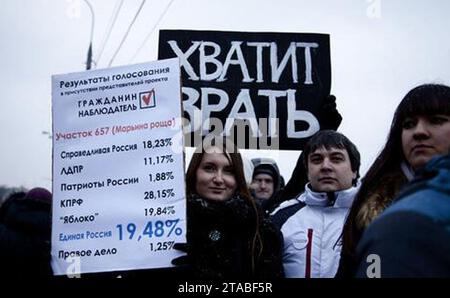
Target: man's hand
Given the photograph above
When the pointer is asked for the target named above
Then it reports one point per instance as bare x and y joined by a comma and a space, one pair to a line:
328, 115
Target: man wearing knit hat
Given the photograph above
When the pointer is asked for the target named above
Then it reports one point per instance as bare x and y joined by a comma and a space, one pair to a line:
266, 182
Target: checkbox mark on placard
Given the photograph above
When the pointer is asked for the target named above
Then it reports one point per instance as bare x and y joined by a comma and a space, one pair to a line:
147, 99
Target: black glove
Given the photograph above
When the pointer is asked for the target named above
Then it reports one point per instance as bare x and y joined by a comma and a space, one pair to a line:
184, 260
328, 115
193, 265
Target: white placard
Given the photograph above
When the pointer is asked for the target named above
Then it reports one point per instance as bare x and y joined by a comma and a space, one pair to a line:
118, 174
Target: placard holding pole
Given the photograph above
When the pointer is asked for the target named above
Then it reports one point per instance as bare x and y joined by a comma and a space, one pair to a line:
118, 172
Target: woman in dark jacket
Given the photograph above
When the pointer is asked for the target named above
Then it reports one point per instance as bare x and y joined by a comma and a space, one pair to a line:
228, 235
420, 130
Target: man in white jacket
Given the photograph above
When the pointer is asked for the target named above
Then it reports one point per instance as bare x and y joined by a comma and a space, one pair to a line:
312, 222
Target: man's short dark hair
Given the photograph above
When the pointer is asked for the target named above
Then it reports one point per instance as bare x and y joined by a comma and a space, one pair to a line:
331, 139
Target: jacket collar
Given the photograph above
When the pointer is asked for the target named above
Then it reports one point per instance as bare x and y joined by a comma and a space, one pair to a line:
407, 171
338, 199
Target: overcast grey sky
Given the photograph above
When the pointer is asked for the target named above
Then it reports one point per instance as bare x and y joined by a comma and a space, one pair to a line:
379, 50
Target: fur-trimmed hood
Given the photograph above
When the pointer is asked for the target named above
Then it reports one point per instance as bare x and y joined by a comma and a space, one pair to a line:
380, 197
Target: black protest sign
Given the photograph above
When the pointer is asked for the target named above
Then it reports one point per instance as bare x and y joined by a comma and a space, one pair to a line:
262, 89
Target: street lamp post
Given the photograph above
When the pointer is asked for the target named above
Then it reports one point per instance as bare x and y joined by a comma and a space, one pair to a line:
89, 54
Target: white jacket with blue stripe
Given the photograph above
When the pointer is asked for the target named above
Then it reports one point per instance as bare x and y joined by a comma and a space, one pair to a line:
311, 225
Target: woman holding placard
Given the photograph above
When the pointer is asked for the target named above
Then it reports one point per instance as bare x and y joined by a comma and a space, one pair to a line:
227, 234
